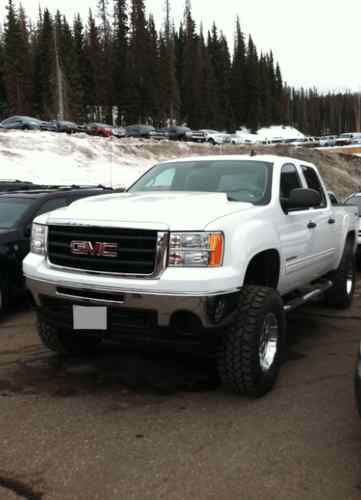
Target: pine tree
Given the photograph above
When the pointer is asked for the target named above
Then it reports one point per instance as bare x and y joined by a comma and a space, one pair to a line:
3, 99
138, 101
105, 71
168, 81
44, 69
221, 61
92, 58
238, 78
191, 54
120, 55
80, 77
253, 116
17, 61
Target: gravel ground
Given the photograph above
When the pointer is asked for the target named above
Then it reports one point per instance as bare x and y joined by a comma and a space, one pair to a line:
125, 426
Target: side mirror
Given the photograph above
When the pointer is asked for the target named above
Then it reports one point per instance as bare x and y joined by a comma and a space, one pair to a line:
302, 198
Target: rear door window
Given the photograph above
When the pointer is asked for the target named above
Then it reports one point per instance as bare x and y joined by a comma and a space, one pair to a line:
289, 180
313, 182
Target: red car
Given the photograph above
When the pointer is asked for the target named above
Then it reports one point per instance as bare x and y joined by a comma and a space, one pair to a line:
100, 129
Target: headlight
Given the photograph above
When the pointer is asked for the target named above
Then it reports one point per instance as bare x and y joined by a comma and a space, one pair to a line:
196, 249
38, 239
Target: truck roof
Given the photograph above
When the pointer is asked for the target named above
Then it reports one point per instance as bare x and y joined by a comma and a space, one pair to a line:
276, 159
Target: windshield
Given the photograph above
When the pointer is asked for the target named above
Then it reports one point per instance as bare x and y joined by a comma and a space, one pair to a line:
242, 180
356, 201
12, 210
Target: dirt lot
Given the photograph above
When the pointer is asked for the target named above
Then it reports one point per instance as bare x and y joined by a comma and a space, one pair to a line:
123, 426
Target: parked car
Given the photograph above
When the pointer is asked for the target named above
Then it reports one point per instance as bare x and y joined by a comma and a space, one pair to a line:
61, 126
140, 131
304, 142
99, 129
244, 138
348, 138
119, 132
17, 211
328, 141
161, 134
178, 133
218, 259
21, 123
212, 136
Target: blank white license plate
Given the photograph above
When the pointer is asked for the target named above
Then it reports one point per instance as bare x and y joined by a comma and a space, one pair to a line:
90, 318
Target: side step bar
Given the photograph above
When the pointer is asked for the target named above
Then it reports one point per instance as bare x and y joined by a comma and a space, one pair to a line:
299, 301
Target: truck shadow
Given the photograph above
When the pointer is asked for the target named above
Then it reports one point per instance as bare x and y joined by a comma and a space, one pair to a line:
113, 369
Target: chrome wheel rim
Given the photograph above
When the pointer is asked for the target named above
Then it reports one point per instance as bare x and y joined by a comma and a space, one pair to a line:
349, 280
268, 342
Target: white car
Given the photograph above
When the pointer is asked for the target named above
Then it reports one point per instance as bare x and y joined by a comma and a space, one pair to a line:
211, 136
328, 140
208, 250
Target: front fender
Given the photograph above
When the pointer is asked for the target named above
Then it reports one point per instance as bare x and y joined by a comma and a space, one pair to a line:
250, 239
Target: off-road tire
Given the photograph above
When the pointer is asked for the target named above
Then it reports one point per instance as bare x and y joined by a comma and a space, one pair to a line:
66, 342
239, 362
342, 291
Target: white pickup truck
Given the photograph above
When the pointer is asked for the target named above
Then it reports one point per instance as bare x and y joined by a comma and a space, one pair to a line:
202, 250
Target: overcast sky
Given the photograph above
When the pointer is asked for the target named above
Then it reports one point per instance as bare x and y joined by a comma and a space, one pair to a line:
317, 42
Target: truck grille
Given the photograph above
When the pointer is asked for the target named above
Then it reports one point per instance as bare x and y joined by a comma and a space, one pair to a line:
134, 251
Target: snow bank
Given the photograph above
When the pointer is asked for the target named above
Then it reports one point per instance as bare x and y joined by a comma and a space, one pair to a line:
52, 158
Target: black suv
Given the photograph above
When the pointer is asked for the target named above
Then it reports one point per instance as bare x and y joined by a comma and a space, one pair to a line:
17, 212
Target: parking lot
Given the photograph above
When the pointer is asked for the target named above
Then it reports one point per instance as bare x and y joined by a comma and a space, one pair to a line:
124, 426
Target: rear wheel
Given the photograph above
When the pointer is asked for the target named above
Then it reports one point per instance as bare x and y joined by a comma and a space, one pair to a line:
344, 278
251, 351
66, 342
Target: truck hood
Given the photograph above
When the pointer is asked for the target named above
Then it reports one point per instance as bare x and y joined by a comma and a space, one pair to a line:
161, 211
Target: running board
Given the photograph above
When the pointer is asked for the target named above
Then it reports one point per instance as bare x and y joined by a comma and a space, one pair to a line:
299, 301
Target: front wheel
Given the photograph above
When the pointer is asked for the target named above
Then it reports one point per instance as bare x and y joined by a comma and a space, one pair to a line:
251, 351
343, 279
66, 342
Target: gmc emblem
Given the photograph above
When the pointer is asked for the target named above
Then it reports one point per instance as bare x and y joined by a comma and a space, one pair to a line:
94, 249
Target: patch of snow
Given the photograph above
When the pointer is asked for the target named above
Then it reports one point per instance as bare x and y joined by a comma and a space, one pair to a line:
51, 158
279, 132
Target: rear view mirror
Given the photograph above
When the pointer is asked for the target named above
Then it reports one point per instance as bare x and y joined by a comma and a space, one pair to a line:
302, 198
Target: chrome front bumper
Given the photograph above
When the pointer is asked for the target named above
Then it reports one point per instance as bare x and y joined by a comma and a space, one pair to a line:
168, 307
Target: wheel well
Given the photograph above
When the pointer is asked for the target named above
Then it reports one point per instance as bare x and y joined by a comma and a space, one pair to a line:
351, 236
264, 269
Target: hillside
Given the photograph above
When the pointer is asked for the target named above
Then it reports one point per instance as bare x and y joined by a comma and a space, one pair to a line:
81, 159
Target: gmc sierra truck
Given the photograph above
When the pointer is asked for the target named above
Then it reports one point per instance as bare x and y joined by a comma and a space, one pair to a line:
209, 250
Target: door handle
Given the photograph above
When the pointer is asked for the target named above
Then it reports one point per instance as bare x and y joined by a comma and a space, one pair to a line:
311, 225
331, 220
